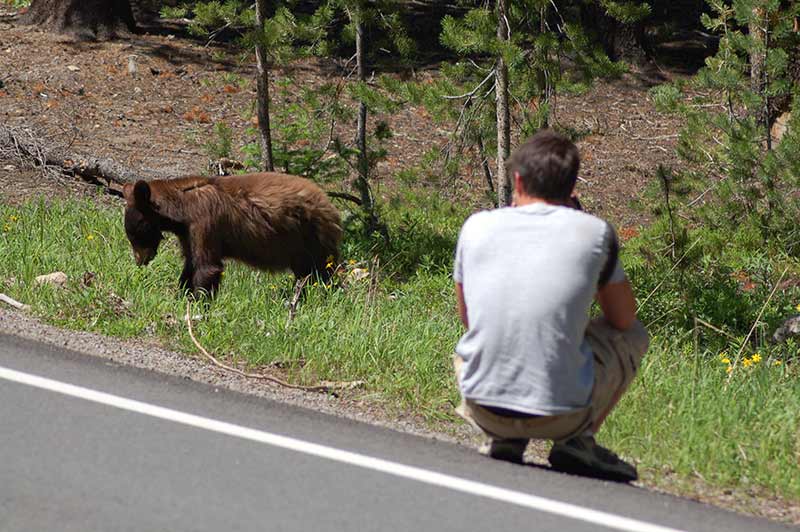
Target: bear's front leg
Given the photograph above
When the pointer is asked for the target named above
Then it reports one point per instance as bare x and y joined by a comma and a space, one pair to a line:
206, 257
206, 279
186, 280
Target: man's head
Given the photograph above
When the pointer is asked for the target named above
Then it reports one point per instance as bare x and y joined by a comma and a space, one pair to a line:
547, 164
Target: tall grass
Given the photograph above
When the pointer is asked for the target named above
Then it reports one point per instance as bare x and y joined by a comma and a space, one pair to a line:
685, 412
688, 413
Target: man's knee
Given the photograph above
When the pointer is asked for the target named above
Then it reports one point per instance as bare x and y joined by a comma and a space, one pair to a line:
635, 344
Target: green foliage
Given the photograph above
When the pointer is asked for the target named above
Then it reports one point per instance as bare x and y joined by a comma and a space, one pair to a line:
323, 32
727, 111
548, 52
686, 416
220, 144
626, 12
302, 131
174, 11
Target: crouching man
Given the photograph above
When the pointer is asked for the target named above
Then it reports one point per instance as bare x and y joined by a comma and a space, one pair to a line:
532, 365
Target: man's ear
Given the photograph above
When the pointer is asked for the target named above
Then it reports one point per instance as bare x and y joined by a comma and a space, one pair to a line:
141, 194
516, 181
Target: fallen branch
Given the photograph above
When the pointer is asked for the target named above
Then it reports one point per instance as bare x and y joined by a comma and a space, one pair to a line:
324, 386
13, 302
25, 146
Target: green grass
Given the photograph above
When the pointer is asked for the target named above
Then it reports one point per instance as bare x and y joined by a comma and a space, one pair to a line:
683, 413
686, 414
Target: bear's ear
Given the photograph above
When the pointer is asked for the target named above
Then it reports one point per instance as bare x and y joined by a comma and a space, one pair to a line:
141, 194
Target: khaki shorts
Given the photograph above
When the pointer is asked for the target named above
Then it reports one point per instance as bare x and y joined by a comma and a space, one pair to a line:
617, 356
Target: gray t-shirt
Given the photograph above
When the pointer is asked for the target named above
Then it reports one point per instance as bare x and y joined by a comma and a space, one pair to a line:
529, 276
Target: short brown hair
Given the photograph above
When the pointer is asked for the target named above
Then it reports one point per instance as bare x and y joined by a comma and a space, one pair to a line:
548, 164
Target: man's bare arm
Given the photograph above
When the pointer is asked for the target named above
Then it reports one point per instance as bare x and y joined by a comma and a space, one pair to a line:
618, 304
462, 306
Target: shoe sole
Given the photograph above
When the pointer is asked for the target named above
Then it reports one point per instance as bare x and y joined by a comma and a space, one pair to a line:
565, 463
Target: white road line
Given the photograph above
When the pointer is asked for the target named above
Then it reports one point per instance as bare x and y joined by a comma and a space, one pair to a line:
414, 473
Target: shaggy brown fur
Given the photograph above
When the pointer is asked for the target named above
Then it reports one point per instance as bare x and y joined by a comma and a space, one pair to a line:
270, 221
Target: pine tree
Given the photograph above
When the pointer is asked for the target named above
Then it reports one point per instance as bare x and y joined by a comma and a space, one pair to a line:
544, 50
371, 25
271, 37
729, 110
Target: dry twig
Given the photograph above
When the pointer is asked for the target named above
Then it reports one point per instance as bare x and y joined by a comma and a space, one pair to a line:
13, 302
324, 387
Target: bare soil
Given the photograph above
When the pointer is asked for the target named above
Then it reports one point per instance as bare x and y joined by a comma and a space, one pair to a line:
151, 101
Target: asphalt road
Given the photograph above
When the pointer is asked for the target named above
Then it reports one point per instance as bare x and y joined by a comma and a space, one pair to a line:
89, 445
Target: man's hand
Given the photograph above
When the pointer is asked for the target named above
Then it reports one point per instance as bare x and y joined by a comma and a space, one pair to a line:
618, 304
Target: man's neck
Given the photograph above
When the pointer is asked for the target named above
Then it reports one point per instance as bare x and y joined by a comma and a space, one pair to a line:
520, 200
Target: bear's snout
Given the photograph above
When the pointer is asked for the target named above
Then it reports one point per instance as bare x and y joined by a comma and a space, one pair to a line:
143, 256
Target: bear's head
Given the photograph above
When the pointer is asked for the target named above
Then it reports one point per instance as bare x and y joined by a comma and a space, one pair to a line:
142, 222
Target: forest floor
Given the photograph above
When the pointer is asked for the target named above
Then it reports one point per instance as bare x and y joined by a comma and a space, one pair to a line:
87, 96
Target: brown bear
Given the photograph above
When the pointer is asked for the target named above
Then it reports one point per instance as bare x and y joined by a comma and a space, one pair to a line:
270, 221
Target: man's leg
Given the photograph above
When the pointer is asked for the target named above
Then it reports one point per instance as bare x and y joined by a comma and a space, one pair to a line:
618, 355
493, 446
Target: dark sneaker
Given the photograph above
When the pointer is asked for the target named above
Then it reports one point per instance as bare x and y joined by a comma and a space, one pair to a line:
582, 456
507, 450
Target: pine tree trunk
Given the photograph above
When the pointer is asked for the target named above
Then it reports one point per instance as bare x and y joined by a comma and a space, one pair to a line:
262, 82
759, 31
362, 181
84, 19
503, 119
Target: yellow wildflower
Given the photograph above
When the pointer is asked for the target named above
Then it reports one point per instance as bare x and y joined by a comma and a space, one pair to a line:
797, 308
747, 362
14, 219
6, 228
90, 237
729, 369
756, 358
351, 262
723, 356
777, 363
725, 360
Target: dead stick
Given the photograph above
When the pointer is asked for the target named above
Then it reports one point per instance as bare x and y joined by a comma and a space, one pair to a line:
13, 302
643, 303
237, 371
715, 328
